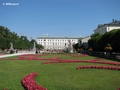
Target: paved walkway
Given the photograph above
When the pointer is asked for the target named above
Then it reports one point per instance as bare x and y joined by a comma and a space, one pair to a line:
16, 54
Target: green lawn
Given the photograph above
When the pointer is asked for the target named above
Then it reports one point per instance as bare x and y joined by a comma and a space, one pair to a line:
58, 76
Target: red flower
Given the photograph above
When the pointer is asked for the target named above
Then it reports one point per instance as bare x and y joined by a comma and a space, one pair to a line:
30, 84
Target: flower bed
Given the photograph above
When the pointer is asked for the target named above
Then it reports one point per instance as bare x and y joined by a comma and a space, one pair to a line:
64, 61
10, 59
30, 84
76, 61
99, 67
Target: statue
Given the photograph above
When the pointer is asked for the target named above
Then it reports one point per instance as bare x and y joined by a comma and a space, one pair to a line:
70, 47
79, 41
11, 47
34, 48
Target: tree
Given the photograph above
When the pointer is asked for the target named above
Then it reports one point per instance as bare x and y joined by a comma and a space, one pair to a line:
95, 35
95, 42
108, 49
98, 42
39, 46
19, 42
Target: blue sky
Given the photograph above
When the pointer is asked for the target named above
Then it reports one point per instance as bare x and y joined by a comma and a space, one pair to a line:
57, 17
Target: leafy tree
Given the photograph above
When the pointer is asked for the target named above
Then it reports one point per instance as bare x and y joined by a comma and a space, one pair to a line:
6, 36
95, 35
98, 42
95, 42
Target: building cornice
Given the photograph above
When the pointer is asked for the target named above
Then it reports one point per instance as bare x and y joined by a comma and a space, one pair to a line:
52, 37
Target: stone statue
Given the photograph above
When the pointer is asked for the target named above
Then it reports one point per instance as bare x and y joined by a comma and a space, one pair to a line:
79, 41
70, 47
34, 47
11, 46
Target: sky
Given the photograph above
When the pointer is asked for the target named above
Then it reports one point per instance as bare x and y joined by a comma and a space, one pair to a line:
74, 18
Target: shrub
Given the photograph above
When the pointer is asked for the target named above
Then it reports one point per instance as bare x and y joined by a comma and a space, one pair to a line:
90, 49
36, 52
11, 51
108, 48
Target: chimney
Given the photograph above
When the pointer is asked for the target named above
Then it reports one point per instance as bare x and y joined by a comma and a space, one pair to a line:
115, 20
112, 20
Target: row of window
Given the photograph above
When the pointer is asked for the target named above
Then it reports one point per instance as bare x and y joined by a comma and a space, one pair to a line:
47, 47
54, 47
50, 43
55, 40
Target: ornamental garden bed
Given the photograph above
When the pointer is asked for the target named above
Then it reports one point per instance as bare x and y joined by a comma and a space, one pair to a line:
62, 72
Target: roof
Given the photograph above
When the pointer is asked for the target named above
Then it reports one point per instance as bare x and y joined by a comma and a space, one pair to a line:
86, 37
56, 37
113, 23
116, 22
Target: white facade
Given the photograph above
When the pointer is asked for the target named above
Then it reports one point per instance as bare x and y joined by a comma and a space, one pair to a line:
85, 41
102, 29
112, 27
59, 43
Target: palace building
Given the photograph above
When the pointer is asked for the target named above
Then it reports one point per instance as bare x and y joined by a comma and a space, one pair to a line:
103, 28
56, 43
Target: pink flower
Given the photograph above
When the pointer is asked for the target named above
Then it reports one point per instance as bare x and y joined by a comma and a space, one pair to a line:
30, 84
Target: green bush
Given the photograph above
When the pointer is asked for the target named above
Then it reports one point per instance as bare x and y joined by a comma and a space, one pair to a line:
11, 51
36, 52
